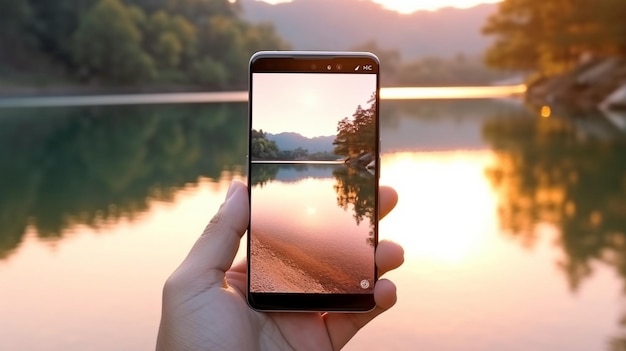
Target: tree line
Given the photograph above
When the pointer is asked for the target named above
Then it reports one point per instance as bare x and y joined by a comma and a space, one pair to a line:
459, 70
261, 148
551, 37
135, 41
93, 166
355, 136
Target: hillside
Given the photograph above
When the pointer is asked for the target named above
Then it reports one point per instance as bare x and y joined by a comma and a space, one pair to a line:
292, 141
329, 25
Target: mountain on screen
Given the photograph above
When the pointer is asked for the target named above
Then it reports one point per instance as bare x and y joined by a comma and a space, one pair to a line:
292, 141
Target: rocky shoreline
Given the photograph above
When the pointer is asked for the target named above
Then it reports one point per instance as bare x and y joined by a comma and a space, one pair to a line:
594, 84
365, 160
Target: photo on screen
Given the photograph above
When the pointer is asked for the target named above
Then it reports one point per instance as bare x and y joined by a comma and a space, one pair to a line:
313, 178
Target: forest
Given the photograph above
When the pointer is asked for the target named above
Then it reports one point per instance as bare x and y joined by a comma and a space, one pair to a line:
126, 42
551, 37
207, 43
121, 45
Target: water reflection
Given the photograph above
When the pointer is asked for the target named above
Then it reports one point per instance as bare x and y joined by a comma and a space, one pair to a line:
306, 228
571, 173
354, 186
491, 195
355, 189
546, 173
94, 166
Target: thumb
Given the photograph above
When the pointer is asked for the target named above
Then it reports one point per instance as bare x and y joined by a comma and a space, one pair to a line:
216, 248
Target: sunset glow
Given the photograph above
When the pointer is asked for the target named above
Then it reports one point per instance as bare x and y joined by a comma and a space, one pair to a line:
410, 6
308, 104
434, 186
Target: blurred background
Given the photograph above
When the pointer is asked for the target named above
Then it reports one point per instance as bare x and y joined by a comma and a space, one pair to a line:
122, 123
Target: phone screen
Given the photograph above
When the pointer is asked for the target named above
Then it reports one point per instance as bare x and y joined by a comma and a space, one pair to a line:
313, 181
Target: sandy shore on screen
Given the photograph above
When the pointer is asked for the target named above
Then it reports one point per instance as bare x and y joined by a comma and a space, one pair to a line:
279, 267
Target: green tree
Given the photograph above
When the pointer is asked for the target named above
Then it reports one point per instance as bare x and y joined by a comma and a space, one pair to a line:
108, 44
262, 148
210, 72
261, 36
357, 135
167, 50
132, 41
220, 41
552, 36
300, 153
170, 40
15, 39
437, 71
231, 42
52, 24
14, 16
613, 13
195, 11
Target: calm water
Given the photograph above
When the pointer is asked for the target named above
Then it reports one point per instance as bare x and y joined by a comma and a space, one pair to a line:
514, 226
322, 217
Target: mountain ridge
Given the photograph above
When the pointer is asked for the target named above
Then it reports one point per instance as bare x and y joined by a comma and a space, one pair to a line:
292, 141
445, 32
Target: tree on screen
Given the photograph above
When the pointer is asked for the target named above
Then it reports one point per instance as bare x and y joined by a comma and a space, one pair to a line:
357, 135
261, 148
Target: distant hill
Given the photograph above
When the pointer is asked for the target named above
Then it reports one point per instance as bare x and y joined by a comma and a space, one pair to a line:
330, 25
292, 141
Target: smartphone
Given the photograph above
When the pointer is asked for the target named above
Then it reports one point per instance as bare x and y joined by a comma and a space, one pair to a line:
313, 170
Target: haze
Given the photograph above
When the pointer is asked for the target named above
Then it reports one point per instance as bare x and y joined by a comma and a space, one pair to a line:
410, 6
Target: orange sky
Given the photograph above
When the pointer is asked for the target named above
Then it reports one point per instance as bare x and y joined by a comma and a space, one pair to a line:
408, 6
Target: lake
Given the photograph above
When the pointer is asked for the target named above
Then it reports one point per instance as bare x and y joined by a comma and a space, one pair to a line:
312, 228
513, 222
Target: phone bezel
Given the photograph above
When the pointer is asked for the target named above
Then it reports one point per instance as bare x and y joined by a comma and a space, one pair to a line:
313, 62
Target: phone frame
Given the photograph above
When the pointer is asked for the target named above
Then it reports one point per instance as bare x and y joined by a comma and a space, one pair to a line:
313, 62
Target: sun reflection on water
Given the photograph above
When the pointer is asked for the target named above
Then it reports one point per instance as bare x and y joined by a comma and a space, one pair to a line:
445, 203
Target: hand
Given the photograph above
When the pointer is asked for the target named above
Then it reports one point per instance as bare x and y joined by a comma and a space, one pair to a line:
204, 304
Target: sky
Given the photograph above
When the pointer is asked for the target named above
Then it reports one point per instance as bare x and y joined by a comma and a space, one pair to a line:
308, 104
409, 6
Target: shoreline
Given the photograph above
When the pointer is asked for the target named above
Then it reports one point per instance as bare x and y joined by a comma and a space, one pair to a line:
293, 269
595, 84
290, 278
388, 92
